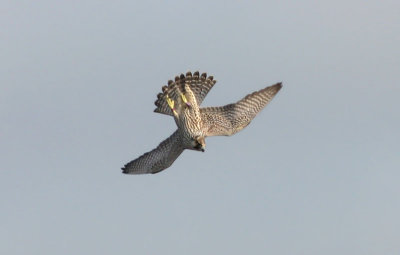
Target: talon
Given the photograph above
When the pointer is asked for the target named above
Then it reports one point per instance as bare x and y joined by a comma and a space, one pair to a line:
185, 100
171, 103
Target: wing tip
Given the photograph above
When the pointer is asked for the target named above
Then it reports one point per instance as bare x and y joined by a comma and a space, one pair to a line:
274, 88
278, 85
124, 170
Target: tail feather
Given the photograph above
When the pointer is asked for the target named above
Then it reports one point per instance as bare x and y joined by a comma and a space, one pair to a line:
200, 85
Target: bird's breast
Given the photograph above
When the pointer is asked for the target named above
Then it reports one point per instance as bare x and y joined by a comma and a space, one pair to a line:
190, 123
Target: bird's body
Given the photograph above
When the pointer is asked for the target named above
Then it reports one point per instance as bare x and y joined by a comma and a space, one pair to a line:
188, 119
182, 99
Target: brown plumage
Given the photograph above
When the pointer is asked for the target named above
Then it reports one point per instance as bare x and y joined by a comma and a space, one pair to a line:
185, 95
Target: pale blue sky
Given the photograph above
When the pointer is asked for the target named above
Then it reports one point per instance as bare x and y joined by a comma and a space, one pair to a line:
317, 172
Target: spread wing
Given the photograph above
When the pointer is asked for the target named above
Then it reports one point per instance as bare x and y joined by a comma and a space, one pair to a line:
158, 159
200, 85
231, 118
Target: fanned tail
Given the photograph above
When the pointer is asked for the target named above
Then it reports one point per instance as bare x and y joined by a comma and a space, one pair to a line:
199, 84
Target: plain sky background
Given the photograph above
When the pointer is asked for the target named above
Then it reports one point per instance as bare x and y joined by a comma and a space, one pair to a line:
316, 172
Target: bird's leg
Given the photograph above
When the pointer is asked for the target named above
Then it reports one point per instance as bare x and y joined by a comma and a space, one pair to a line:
185, 100
171, 104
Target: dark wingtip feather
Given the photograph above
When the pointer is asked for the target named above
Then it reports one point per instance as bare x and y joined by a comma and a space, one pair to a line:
278, 85
274, 88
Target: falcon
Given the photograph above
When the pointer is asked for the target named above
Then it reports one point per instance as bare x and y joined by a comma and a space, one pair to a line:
181, 99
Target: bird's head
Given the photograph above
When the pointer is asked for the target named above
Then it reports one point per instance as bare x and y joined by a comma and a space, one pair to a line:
199, 143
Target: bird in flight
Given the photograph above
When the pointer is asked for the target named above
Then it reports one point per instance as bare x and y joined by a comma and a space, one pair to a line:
182, 99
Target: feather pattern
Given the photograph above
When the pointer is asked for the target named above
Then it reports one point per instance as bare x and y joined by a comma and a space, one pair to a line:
158, 159
185, 95
200, 85
230, 119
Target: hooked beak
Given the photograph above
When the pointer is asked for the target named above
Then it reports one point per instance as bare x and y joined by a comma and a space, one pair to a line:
202, 143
